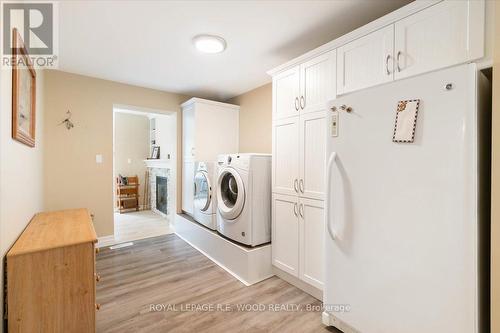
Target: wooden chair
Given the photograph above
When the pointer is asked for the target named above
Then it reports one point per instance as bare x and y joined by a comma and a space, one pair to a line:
127, 195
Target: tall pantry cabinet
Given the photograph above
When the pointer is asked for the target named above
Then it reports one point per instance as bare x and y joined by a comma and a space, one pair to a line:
300, 96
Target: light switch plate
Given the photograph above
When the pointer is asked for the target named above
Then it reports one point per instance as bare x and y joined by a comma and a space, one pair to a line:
98, 158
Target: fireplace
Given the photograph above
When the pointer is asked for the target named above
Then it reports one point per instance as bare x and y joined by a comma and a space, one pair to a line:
162, 194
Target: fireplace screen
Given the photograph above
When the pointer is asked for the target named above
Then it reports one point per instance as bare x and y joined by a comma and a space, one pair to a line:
161, 194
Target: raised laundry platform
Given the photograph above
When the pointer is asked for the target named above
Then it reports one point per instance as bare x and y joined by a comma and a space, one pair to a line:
249, 265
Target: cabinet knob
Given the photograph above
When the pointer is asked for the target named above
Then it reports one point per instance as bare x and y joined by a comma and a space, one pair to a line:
97, 277
98, 306
96, 250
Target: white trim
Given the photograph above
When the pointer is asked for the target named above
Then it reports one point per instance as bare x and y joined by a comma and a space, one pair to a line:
207, 101
109, 239
297, 282
379, 23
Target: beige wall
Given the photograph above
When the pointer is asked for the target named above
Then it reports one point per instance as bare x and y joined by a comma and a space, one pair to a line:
495, 185
21, 170
255, 119
131, 147
72, 177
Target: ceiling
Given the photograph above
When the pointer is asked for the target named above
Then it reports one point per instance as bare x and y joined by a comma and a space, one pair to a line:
148, 43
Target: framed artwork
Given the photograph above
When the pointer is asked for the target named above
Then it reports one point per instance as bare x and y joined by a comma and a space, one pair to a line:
155, 154
23, 93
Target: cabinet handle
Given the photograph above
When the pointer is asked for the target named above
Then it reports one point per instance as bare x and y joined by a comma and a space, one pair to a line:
295, 210
98, 306
296, 185
296, 104
301, 210
397, 61
192, 151
97, 277
301, 185
302, 102
96, 250
387, 64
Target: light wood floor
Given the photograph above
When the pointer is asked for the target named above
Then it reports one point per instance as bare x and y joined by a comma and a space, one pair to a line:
137, 225
167, 272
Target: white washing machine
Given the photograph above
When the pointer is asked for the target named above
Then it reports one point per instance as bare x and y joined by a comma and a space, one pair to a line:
244, 198
205, 204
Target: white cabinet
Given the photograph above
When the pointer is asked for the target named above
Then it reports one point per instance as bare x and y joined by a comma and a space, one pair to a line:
312, 231
286, 87
208, 129
443, 35
312, 155
285, 233
285, 157
188, 186
304, 88
366, 61
317, 82
298, 237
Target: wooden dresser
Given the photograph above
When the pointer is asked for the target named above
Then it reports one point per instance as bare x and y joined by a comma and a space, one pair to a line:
51, 274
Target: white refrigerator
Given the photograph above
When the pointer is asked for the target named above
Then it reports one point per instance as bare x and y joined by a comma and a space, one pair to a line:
404, 242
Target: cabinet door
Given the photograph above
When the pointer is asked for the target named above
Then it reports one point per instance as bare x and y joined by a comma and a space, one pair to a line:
285, 157
366, 61
285, 233
286, 94
188, 133
312, 155
312, 234
436, 37
188, 187
317, 82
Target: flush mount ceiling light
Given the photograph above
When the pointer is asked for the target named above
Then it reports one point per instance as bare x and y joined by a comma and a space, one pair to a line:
209, 43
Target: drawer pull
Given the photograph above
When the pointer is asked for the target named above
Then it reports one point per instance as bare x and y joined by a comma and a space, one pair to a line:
98, 306
96, 250
97, 277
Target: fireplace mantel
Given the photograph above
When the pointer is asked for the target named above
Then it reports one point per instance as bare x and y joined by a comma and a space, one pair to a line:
161, 164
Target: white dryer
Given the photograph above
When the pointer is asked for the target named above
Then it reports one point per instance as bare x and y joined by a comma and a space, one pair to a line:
244, 198
205, 204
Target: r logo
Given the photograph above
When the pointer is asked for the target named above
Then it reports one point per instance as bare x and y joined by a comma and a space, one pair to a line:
35, 23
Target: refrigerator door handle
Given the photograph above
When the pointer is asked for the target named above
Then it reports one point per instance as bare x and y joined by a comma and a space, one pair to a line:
331, 161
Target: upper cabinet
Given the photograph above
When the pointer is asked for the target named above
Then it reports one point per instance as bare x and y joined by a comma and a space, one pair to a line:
366, 61
304, 88
440, 36
317, 82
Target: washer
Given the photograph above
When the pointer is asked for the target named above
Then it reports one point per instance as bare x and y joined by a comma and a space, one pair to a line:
244, 198
205, 204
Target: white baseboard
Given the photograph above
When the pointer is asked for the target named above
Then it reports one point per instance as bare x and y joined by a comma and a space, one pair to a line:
313, 291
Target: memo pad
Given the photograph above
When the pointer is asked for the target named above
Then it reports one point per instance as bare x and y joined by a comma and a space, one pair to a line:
406, 121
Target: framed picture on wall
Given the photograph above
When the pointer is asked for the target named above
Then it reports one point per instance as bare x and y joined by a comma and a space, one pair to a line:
23, 93
155, 153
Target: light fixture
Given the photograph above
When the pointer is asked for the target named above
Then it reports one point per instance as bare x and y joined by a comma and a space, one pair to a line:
209, 43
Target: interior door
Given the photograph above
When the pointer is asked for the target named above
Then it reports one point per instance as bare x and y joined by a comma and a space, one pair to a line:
312, 240
366, 61
188, 171
286, 93
317, 81
312, 155
285, 233
285, 157
433, 38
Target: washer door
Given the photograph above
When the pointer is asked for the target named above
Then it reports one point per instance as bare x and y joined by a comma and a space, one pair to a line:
202, 191
230, 194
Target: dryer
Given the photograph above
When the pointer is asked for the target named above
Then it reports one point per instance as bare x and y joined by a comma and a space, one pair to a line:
244, 198
204, 194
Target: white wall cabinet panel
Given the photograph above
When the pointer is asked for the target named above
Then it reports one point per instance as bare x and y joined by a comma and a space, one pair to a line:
285, 233
286, 156
366, 61
188, 186
286, 87
312, 155
437, 37
317, 82
312, 234
188, 128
